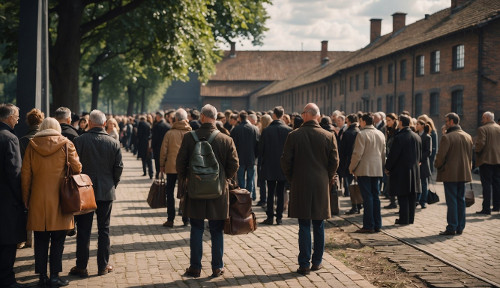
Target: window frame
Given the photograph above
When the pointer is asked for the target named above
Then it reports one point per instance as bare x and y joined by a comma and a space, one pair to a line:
435, 61
420, 65
458, 58
402, 69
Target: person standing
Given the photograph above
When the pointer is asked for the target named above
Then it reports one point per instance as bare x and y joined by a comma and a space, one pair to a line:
403, 166
144, 145
246, 138
157, 133
454, 164
168, 155
101, 158
272, 142
215, 210
63, 116
425, 170
13, 228
43, 168
367, 162
346, 146
309, 162
488, 161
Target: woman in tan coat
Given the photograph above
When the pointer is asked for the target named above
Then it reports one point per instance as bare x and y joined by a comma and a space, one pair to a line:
41, 175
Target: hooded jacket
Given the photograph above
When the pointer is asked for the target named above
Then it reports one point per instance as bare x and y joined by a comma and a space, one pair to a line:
41, 175
171, 144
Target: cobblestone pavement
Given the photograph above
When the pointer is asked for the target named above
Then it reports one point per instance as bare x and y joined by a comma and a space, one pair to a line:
476, 251
145, 254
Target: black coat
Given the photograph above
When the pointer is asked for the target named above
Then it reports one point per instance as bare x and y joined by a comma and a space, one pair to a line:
13, 228
425, 168
69, 131
346, 145
246, 138
271, 146
403, 163
157, 134
23, 141
143, 136
101, 159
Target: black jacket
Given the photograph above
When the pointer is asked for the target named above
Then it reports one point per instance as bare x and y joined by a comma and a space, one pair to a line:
246, 138
346, 146
13, 228
69, 132
143, 136
425, 169
402, 163
101, 159
23, 141
157, 134
271, 146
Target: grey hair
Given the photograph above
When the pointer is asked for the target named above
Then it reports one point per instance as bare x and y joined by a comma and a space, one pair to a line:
209, 111
97, 117
489, 115
336, 113
341, 116
6, 110
62, 113
313, 110
50, 123
180, 114
253, 116
382, 115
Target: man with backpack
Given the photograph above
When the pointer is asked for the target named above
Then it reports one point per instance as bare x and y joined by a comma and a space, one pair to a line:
207, 195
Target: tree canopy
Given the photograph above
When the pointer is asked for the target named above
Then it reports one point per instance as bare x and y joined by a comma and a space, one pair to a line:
134, 41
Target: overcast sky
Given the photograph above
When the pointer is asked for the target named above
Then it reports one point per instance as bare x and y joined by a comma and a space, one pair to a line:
303, 24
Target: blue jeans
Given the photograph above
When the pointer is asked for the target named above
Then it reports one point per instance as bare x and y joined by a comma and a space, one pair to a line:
305, 242
455, 201
347, 180
370, 190
490, 180
423, 197
249, 184
196, 242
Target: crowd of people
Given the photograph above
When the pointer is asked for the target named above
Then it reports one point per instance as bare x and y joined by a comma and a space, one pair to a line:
299, 162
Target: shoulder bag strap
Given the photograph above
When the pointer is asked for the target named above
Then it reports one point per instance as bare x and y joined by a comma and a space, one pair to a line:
212, 136
65, 149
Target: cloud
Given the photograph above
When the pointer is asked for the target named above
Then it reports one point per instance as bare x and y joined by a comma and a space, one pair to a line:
302, 24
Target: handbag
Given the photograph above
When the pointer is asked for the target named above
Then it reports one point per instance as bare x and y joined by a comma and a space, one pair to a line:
469, 197
241, 218
76, 193
157, 195
432, 197
355, 193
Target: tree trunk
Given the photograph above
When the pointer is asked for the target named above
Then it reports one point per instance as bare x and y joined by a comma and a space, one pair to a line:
143, 99
132, 93
65, 56
95, 91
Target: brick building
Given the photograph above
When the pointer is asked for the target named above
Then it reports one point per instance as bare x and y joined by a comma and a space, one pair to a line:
445, 62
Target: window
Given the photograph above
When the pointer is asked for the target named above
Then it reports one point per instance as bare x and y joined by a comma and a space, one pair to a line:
390, 104
380, 70
401, 103
351, 83
334, 89
434, 110
390, 73
457, 101
435, 61
357, 82
379, 104
402, 69
418, 104
342, 87
420, 65
458, 57
225, 103
365, 85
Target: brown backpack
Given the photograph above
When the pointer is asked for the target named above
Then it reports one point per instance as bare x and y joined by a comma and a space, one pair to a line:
241, 218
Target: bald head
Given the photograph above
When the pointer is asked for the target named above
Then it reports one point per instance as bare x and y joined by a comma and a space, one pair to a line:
311, 112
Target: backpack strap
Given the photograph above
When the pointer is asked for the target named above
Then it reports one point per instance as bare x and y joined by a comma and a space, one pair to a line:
212, 136
195, 136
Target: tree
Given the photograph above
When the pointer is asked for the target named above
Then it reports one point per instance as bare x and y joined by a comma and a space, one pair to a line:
171, 36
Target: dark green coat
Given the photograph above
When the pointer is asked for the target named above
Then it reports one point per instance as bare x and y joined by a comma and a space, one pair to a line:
309, 161
225, 152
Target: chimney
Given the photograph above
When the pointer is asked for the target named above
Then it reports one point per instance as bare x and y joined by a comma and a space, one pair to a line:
427, 16
375, 29
324, 52
457, 3
232, 54
398, 21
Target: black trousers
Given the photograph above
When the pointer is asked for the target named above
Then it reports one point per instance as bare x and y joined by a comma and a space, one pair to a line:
42, 239
407, 208
273, 187
7, 259
147, 163
84, 228
157, 166
171, 179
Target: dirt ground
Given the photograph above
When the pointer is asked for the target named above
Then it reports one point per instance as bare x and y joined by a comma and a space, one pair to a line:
374, 267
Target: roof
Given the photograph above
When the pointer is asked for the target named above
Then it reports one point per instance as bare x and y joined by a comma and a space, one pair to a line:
231, 89
471, 14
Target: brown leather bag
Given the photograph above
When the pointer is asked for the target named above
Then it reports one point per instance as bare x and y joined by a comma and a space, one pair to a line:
241, 218
76, 193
